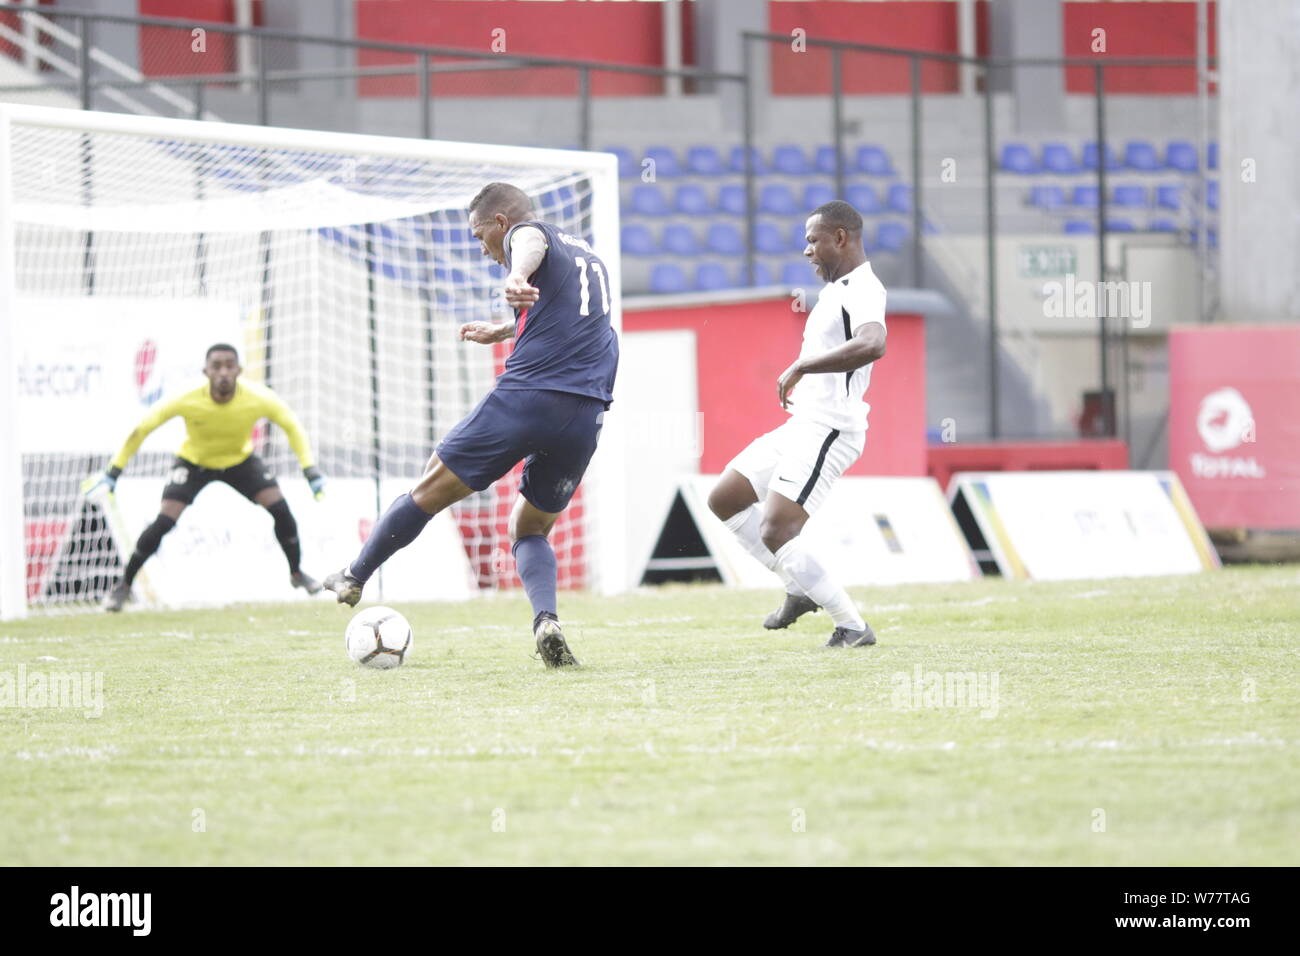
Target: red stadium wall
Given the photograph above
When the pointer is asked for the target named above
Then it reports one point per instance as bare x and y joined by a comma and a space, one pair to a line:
1134, 30
741, 350
625, 33
168, 52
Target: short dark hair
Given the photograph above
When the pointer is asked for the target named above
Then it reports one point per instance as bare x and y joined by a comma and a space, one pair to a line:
839, 215
220, 347
502, 198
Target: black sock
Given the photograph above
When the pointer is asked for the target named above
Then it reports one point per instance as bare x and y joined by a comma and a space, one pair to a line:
146, 546
286, 532
543, 616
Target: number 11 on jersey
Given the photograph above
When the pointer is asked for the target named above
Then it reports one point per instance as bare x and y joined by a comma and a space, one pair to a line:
584, 307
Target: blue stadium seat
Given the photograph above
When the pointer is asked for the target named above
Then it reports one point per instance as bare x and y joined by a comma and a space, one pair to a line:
731, 199
763, 274
891, 236
1120, 225
1212, 194
863, 198
1181, 155
665, 162
679, 240
647, 200
1129, 196
667, 278
637, 240
798, 237
1169, 197
627, 167
1080, 227
797, 274
814, 194
1212, 155
777, 199
824, 160
873, 161
1162, 225
1017, 158
1085, 196
768, 239
704, 161
710, 276
737, 161
1058, 158
900, 197
724, 239
1047, 197
1141, 156
790, 160
1090, 156
692, 200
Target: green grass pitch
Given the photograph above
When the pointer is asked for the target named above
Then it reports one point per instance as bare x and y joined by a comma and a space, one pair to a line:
1152, 722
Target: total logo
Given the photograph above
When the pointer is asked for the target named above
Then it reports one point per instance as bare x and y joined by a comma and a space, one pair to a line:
148, 376
1225, 422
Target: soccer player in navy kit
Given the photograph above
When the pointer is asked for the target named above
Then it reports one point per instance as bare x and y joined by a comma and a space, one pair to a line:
546, 408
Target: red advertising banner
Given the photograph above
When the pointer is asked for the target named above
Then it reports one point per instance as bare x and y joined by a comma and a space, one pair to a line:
1234, 423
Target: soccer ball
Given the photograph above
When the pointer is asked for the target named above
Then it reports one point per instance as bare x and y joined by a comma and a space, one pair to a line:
378, 637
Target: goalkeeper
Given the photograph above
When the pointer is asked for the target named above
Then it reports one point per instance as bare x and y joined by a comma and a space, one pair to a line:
219, 419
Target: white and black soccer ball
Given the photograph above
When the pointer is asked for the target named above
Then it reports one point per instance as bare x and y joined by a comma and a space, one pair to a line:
378, 637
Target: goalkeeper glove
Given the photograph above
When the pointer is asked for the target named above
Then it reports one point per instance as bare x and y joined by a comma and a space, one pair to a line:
316, 480
106, 479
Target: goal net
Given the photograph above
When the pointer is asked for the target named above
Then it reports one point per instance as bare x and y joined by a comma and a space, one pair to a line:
341, 266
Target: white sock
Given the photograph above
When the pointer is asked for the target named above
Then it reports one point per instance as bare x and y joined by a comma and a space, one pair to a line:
813, 578
747, 526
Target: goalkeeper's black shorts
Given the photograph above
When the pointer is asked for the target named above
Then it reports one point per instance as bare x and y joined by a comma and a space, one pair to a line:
187, 479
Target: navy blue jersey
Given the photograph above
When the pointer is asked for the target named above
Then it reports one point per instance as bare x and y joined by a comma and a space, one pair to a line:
563, 341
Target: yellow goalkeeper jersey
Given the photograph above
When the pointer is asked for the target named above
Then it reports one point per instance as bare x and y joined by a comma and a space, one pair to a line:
220, 435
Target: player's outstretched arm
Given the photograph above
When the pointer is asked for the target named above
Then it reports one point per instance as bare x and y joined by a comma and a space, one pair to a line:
866, 346
107, 479
486, 333
280, 413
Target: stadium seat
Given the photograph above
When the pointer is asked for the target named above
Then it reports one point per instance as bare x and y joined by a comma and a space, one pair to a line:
1181, 155
1047, 197
1212, 155
1162, 225
667, 278
824, 160
679, 240
768, 239
1169, 197
724, 239
798, 237
627, 166
737, 161
704, 161
778, 200
1141, 156
1084, 196
1129, 196
711, 276
873, 161
1212, 194
900, 197
763, 275
1090, 156
1058, 158
814, 194
665, 162
863, 198
692, 200
1120, 225
797, 274
1016, 158
1080, 227
731, 199
790, 160
891, 236
637, 240
647, 200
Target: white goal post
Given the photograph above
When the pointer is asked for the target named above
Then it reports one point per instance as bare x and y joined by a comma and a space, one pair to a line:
341, 266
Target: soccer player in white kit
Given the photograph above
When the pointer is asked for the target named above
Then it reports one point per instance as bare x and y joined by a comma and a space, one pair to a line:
790, 470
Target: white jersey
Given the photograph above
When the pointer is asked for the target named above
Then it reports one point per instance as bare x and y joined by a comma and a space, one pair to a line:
835, 399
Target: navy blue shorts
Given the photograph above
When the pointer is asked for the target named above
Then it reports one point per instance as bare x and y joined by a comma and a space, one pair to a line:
554, 432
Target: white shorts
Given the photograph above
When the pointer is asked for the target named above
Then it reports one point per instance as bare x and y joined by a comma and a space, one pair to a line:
800, 461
